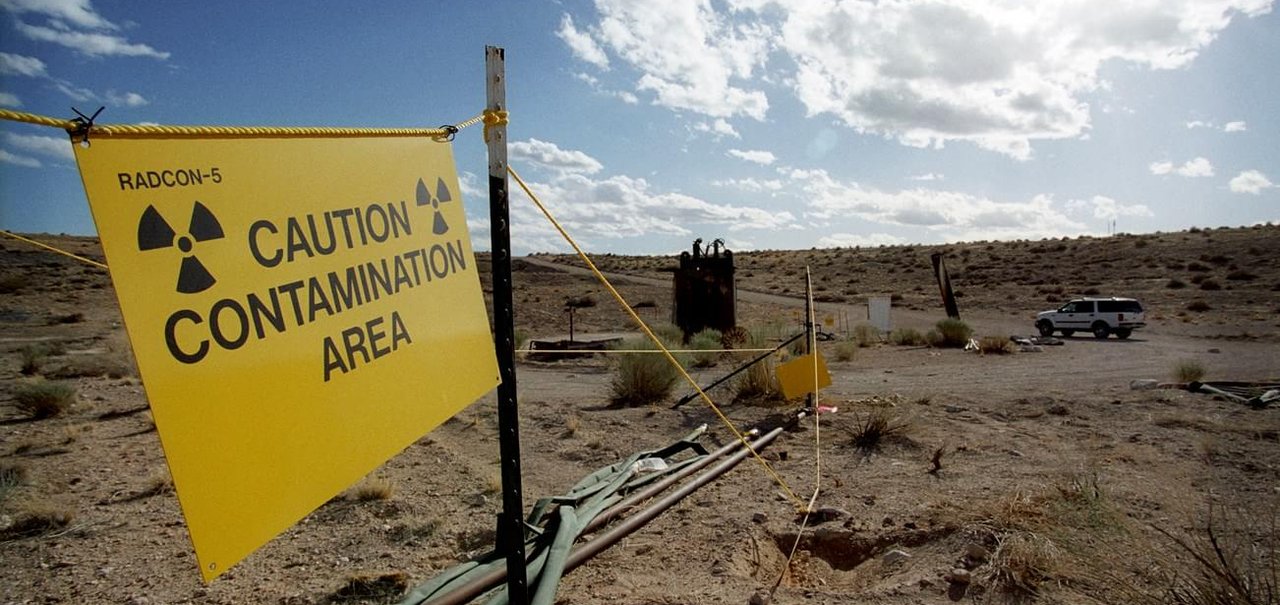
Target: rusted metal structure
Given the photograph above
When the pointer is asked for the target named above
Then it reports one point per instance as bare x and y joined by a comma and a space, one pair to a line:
705, 294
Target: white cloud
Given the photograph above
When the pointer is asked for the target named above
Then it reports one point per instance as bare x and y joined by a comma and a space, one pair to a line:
952, 215
1200, 124
849, 240
1107, 208
54, 147
75, 12
1250, 181
719, 127
20, 65
1235, 127
93, 44
753, 185
622, 207
929, 176
9, 100
996, 73
690, 57
548, 155
1198, 167
755, 156
18, 160
128, 99
583, 46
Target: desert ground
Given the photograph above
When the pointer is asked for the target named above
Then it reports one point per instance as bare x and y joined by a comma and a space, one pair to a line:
1026, 477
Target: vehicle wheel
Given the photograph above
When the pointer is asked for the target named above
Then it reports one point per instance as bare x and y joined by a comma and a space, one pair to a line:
1101, 330
1045, 327
1068, 333
1123, 333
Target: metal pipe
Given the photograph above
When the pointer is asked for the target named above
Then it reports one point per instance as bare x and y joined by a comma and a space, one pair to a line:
483, 584
634, 522
718, 381
661, 485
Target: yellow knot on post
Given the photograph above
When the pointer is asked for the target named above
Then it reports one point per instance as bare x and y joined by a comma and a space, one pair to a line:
493, 118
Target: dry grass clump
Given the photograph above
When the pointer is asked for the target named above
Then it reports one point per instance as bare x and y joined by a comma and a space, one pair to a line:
43, 399
1188, 370
995, 345
373, 489
12, 284
12, 476
907, 337
642, 378
1199, 306
1234, 559
707, 343
34, 356
38, 520
952, 333
368, 588
866, 335
845, 350
758, 380
875, 426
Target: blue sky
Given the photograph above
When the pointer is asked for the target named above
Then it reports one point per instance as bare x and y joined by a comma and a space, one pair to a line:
787, 124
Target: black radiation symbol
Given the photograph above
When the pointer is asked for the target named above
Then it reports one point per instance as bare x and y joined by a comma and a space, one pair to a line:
155, 233
442, 195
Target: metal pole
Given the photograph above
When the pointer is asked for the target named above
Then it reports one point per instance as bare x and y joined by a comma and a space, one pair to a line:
719, 381
510, 534
810, 343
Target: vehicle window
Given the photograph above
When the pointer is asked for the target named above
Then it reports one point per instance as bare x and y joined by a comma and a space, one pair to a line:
1119, 306
1068, 308
1084, 306
1130, 306
1109, 306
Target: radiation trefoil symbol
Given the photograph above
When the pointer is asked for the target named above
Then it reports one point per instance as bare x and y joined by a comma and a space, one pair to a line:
439, 226
155, 233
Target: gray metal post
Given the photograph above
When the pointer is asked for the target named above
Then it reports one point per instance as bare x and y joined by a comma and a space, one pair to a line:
510, 539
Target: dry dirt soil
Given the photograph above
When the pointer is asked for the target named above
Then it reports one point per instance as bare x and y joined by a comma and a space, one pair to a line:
1028, 477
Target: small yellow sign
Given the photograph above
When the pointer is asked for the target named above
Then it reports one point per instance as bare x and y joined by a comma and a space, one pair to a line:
796, 376
300, 309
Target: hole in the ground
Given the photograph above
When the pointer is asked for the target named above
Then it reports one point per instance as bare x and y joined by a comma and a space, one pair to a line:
844, 549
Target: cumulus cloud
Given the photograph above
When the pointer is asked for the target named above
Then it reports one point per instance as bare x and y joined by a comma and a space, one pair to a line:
582, 45
128, 99
1235, 127
1250, 181
19, 65
690, 57
849, 240
755, 156
75, 24
949, 214
1198, 167
753, 185
719, 127
924, 72
549, 155
9, 100
1103, 207
1193, 124
58, 148
18, 160
928, 176
622, 207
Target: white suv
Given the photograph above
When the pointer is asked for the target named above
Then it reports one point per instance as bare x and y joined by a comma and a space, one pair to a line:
1102, 316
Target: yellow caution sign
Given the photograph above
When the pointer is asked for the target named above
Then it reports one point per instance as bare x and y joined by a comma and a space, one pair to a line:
796, 376
301, 310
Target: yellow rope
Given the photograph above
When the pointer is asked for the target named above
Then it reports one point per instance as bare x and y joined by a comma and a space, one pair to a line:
157, 131
812, 341
491, 119
654, 338
642, 351
58, 250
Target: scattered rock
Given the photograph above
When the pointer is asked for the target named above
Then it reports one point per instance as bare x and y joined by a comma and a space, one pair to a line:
977, 552
759, 518
1215, 350
954, 409
959, 576
761, 597
1058, 409
827, 514
1144, 384
895, 556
